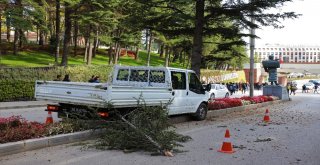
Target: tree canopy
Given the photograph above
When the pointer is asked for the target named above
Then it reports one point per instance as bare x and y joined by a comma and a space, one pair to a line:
208, 33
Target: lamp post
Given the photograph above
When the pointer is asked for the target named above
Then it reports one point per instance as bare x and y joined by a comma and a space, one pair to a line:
252, 45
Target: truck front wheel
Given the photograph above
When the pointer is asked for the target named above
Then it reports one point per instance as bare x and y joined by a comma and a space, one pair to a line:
201, 112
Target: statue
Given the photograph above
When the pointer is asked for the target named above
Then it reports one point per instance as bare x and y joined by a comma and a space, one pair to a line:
271, 66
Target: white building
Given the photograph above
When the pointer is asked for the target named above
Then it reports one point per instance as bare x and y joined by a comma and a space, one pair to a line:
290, 53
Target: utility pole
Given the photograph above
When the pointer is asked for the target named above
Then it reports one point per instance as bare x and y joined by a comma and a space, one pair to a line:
252, 45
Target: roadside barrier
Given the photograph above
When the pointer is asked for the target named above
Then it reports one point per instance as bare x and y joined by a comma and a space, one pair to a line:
227, 146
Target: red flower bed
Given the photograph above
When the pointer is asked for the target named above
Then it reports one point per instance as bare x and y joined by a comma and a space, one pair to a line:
234, 102
224, 103
16, 128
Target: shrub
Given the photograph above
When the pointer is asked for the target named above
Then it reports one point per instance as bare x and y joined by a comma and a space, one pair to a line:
16, 128
18, 83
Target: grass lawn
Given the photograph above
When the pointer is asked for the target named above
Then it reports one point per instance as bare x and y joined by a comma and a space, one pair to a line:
41, 59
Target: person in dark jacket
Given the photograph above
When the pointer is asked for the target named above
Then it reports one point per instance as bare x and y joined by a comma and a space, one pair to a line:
66, 78
91, 79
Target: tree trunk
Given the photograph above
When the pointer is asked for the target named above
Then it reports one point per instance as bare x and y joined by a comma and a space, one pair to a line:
116, 55
167, 56
21, 38
161, 50
8, 29
89, 53
137, 53
41, 37
85, 58
149, 48
37, 40
67, 35
95, 44
175, 54
110, 54
75, 37
197, 37
15, 42
56, 59
181, 53
147, 41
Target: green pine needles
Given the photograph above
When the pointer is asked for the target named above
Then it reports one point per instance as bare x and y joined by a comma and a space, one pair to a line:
143, 129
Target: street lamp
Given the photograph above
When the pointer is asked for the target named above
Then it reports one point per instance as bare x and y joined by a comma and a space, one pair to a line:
252, 45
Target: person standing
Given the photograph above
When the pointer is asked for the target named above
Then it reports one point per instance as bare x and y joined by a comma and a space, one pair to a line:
293, 89
316, 88
66, 78
304, 88
288, 87
91, 80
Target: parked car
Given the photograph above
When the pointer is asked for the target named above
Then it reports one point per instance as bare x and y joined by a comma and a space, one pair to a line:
218, 91
309, 86
315, 82
295, 75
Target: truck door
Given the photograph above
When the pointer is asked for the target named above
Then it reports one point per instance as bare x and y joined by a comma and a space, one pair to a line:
196, 92
179, 93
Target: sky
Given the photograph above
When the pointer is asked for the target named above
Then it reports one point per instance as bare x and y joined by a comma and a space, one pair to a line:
304, 30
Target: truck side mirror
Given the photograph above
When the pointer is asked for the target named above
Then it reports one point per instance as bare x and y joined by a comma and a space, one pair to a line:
208, 87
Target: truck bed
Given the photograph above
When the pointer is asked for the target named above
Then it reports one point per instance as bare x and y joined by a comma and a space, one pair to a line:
100, 94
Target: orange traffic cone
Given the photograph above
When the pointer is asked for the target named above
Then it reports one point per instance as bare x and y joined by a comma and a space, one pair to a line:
266, 117
49, 119
226, 146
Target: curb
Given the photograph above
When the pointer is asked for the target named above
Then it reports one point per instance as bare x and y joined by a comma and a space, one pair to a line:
32, 144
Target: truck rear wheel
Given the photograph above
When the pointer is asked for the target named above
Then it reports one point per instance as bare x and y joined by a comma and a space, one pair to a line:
201, 112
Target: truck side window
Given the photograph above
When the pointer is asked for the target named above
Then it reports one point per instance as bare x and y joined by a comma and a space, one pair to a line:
194, 84
178, 80
123, 75
157, 76
139, 75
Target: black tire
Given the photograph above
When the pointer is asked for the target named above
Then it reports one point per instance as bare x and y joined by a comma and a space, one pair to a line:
212, 96
227, 95
201, 113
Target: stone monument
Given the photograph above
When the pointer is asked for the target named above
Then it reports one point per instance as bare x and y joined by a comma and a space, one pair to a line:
274, 89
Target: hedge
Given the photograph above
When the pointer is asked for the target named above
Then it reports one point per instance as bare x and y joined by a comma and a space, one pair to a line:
18, 83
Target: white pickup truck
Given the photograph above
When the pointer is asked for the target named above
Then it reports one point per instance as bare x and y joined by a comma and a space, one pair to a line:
180, 88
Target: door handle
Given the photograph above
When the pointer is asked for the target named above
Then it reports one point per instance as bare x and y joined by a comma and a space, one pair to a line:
187, 93
173, 93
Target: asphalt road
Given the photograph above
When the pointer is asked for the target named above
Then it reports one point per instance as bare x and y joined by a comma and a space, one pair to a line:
31, 114
292, 137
